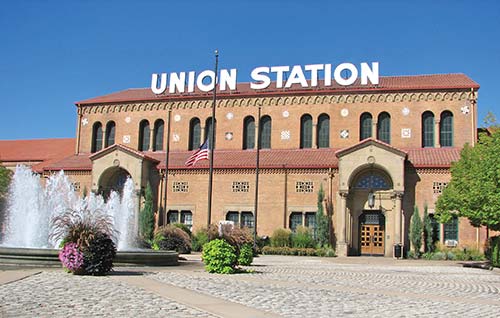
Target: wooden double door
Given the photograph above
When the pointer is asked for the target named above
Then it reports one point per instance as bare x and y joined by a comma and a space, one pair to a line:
372, 234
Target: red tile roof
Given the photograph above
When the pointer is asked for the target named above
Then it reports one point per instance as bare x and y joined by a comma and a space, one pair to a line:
72, 163
386, 83
42, 151
132, 151
368, 141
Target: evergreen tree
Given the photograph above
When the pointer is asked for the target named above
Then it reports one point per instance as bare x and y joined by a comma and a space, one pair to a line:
147, 218
4, 180
428, 232
416, 232
322, 231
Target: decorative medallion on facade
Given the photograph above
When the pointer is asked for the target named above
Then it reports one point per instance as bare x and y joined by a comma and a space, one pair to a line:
126, 139
405, 111
176, 137
85, 121
286, 113
229, 116
285, 135
405, 132
465, 110
128, 119
177, 117
229, 135
344, 133
344, 112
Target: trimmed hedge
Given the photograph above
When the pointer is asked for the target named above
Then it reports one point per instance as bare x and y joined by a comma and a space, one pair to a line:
324, 252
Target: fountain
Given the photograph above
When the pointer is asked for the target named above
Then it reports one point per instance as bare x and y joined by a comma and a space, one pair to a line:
30, 208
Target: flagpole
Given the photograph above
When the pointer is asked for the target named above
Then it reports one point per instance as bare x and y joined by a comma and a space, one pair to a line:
256, 181
211, 143
167, 151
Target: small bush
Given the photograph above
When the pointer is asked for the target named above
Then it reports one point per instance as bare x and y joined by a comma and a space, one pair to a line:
492, 251
302, 238
246, 255
324, 252
236, 236
281, 238
183, 227
170, 237
200, 238
98, 256
219, 257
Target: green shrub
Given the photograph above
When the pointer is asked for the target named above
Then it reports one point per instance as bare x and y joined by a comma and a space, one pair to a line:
492, 251
281, 238
200, 238
170, 237
147, 217
236, 236
219, 257
302, 238
246, 255
438, 256
183, 227
325, 252
98, 256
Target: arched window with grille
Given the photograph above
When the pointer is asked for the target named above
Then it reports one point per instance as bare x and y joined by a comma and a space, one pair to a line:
249, 133
365, 126
194, 133
110, 134
427, 129
144, 135
96, 137
208, 130
446, 129
323, 131
306, 131
158, 135
384, 127
265, 132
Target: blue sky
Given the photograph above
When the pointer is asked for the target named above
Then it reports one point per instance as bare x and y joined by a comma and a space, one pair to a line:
53, 53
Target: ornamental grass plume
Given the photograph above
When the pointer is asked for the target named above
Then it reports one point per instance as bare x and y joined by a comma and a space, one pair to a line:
71, 257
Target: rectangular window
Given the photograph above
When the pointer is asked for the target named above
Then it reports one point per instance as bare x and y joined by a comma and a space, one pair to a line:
172, 216
233, 216
304, 186
438, 187
310, 222
451, 230
241, 186
247, 219
295, 220
187, 218
180, 186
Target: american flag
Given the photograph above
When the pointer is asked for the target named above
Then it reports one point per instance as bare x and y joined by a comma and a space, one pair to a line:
200, 154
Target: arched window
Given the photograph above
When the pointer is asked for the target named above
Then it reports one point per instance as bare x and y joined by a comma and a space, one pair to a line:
158, 135
144, 135
208, 130
372, 181
96, 137
427, 129
306, 131
323, 131
249, 133
194, 133
446, 129
265, 132
365, 126
384, 127
110, 134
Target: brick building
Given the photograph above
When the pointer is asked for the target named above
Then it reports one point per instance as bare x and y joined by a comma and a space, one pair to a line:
376, 150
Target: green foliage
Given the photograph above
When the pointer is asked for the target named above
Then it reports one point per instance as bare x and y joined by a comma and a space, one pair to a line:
322, 234
323, 252
493, 251
200, 238
170, 237
183, 227
246, 255
98, 256
474, 189
416, 232
5, 176
147, 218
219, 257
428, 235
302, 238
281, 238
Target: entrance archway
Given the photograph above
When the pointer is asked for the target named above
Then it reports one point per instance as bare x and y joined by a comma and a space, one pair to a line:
112, 179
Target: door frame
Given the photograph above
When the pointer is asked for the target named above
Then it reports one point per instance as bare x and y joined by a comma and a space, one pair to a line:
381, 223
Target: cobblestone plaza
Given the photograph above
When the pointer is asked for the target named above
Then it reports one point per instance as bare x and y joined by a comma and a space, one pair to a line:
275, 286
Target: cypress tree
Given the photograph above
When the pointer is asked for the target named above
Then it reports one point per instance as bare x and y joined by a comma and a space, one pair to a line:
147, 218
416, 232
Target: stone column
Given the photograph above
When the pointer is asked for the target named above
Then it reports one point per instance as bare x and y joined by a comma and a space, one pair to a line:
398, 196
151, 134
374, 128
314, 135
437, 134
103, 144
202, 132
342, 244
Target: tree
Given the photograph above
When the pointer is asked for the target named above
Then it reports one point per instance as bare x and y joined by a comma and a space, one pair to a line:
147, 217
5, 175
428, 232
322, 230
474, 189
416, 231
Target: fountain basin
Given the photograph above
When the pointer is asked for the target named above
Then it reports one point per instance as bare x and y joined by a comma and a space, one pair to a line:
49, 257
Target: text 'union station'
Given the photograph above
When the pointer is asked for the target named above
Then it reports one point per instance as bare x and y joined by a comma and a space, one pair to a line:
391, 140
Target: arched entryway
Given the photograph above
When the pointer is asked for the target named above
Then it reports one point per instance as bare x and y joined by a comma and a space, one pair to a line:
112, 179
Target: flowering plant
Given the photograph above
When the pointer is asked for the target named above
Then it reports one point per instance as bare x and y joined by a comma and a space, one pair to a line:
71, 257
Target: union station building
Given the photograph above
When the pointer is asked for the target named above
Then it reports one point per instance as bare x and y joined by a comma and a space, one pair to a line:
376, 150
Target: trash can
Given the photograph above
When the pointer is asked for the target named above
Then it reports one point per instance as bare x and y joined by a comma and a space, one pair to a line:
397, 251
